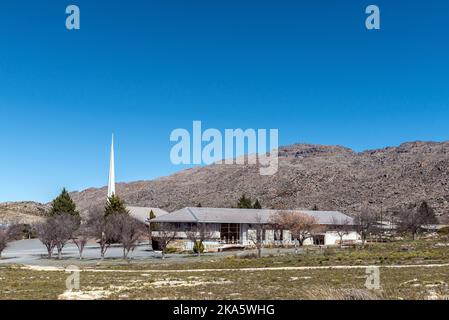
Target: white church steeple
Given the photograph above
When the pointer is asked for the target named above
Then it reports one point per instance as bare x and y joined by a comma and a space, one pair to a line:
111, 183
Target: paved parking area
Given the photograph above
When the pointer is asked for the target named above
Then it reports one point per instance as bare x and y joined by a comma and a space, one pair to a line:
33, 252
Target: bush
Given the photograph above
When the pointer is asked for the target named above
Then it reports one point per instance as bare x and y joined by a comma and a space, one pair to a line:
443, 231
171, 250
22, 231
198, 247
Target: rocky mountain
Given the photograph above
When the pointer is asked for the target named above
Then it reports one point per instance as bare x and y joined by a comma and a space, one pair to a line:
330, 177
21, 212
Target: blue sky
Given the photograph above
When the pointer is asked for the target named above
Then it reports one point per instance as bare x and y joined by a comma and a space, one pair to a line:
143, 68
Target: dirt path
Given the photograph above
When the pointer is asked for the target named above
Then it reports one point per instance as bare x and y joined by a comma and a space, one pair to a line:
59, 269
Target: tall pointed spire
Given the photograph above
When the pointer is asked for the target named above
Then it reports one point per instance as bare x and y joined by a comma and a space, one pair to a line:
111, 183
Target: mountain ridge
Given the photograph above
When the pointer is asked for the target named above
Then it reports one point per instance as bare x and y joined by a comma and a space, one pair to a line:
330, 177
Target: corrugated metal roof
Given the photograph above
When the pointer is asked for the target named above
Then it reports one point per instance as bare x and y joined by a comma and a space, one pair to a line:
229, 215
143, 213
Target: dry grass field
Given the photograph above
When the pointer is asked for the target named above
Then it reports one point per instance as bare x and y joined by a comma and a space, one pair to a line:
408, 270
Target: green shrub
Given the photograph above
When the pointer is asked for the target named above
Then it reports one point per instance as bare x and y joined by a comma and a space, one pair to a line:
198, 247
443, 231
171, 250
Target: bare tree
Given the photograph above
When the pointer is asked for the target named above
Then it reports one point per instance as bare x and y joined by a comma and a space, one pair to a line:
130, 234
7, 234
81, 236
257, 234
65, 225
300, 225
199, 233
4, 239
127, 231
414, 218
341, 226
365, 222
56, 231
46, 232
18, 231
166, 233
102, 230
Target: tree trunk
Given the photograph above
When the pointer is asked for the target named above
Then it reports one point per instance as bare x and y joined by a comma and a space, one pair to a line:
259, 251
59, 253
150, 236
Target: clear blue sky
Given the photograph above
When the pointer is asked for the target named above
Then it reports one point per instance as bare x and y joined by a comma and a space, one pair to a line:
143, 68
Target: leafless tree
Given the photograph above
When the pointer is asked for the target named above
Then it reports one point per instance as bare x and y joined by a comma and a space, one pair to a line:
127, 231
256, 234
300, 225
56, 231
7, 234
199, 233
102, 230
414, 218
46, 232
4, 239
130, 233
81, 236
166, 233
365, 222
66, 225
18, 231
341, 226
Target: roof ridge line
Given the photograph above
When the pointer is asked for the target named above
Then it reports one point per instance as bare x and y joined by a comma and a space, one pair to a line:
191, 212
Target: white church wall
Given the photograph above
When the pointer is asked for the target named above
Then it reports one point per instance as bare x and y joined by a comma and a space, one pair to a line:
332, 238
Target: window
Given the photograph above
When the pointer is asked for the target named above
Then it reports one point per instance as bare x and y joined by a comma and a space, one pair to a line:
318, 240
278, 235
230, 233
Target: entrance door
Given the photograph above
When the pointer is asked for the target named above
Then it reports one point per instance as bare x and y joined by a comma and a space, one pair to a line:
230, 233
318, 240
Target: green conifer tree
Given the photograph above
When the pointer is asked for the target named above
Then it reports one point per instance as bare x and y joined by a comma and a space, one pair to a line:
115, 205
244, 203
257, 205
153, 225
64, 204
